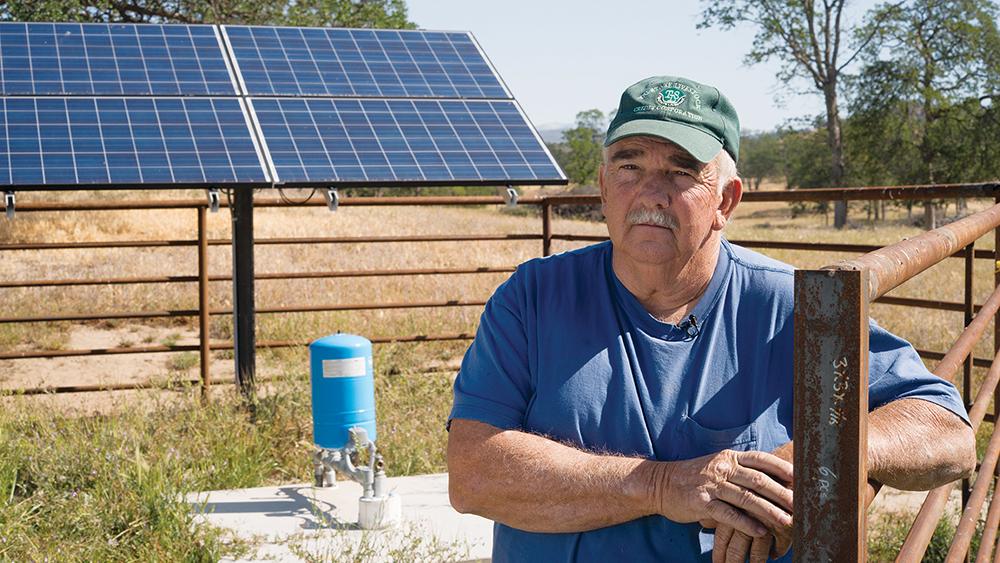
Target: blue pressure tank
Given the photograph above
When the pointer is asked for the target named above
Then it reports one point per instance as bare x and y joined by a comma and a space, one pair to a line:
343, 388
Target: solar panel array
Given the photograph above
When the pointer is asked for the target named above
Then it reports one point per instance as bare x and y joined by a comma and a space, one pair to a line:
184, 105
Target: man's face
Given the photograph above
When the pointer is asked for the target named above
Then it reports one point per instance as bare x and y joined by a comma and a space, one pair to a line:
661, 204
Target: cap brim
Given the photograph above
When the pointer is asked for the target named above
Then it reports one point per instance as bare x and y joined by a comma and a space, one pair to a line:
699, 144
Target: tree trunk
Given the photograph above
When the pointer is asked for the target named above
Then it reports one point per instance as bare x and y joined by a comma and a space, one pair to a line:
930, 216
836, 149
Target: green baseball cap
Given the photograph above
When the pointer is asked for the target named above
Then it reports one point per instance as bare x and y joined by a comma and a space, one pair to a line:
695, 117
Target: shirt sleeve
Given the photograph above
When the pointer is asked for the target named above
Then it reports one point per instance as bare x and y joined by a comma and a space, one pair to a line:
897, 372
494, 383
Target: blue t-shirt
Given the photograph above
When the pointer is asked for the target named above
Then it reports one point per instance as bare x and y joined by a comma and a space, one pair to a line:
563, 349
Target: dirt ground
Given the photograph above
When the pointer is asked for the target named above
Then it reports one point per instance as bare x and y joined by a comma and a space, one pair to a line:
108, 369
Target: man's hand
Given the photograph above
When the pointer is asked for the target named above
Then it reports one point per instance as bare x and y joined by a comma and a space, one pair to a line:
742, 490
733, 546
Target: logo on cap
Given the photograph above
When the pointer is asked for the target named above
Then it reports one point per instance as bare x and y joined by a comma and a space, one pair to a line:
671, 97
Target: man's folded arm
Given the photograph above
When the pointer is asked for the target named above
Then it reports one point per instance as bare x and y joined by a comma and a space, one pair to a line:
536, 484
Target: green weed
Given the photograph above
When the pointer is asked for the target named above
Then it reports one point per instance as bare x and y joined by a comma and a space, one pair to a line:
183, 361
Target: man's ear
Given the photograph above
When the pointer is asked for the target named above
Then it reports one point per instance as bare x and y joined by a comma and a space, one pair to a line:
600, 182
731, 196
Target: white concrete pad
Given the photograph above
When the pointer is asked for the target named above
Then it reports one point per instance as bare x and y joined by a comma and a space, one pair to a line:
301, 524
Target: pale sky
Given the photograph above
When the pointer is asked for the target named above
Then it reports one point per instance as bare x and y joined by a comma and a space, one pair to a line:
560, 57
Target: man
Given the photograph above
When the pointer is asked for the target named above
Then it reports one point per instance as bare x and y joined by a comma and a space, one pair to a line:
619, 399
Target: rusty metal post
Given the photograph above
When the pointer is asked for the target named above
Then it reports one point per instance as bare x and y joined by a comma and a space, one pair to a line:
546, 228
996, 325
831, 408
204, 320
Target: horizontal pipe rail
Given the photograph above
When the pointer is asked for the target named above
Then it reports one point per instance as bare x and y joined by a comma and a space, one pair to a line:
263, 276
264, 241
889, 300
259, 310
934, 355
38, 354
172, 384
920, 192
894, 193
782, 245
898, 262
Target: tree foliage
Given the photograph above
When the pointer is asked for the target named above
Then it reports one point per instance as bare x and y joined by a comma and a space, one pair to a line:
917, 101
582, 154
806, 36
312, 13
760, 158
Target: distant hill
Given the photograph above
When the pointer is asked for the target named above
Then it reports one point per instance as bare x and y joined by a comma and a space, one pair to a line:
553, 132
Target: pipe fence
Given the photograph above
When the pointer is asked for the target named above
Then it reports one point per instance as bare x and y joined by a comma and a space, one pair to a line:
832, 307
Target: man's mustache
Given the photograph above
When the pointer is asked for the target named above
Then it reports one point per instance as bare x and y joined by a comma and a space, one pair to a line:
657, 217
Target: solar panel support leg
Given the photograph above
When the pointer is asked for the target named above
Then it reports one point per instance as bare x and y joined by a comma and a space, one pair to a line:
243, 293
213, 199
332, 198
509, 196
8, 203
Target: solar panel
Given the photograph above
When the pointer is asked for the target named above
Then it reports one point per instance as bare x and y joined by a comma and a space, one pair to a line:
322, 140
66, 141
112, 59
161, 105
382, 63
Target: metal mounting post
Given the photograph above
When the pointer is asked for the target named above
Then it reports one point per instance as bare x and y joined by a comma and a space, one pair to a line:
509, 195
332, 198
8, 202
213, 199
244, 308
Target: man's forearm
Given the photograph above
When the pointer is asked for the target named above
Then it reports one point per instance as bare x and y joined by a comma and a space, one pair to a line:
534, 484
917, 445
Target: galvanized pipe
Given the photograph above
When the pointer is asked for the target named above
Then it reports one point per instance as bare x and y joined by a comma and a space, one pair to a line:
898, 262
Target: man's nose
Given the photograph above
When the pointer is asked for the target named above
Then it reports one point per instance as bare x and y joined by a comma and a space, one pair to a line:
653, 191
